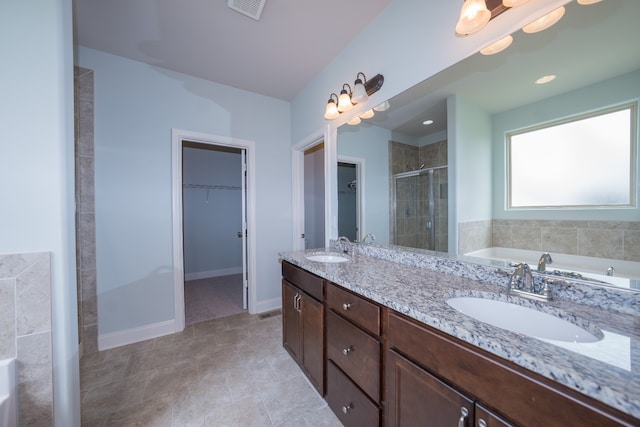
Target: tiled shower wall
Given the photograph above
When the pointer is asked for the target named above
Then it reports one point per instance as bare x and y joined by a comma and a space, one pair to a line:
411, 229
25, 332
85, 211
603, 239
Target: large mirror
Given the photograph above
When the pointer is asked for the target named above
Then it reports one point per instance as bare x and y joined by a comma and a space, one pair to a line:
443, 186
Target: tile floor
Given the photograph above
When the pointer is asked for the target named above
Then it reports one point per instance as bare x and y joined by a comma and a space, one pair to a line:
231, 371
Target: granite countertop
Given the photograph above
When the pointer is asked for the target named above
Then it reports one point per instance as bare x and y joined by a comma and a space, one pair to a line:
415, 285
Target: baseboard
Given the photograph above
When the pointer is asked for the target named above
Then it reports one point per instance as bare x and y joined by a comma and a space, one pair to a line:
212, 273
130, 336
268, 305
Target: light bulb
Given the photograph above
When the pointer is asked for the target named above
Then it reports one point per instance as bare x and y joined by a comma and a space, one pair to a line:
498, 46
344, 101
545, 21
474, 16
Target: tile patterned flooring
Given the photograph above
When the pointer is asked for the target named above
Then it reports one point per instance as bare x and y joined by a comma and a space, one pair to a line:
231, 372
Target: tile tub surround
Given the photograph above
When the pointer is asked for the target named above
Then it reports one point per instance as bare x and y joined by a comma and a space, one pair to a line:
25, 331
417, 285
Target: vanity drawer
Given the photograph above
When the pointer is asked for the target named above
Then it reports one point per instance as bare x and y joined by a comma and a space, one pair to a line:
366, 314
355, 352
348, 402
310, 283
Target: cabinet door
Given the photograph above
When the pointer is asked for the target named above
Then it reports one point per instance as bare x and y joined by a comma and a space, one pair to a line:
487, 418
291, 336
312, 318
416, 398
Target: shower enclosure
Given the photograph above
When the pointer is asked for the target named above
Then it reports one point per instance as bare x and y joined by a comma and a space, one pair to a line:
420, 209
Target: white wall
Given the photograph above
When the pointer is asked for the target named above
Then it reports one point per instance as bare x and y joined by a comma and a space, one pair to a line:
37, 167
212, 217
136, 105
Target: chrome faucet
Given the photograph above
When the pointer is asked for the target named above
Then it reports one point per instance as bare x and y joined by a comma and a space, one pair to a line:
610, 270
367, 237
521, 278
347, 247
545, 259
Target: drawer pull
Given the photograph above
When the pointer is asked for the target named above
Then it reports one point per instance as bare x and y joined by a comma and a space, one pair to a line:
482, 423
347, 408
347, 350
346, 306
464, 413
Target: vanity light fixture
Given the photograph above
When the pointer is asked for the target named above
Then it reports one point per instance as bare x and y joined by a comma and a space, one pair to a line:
359, 92
355, 121
331, 112
362, 89
514, 3
382, 107
545, 21
344, 100
474, 16
498, 46
367, 114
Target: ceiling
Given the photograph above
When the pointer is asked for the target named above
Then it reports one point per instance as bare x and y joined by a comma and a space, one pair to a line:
590, 44
276, 56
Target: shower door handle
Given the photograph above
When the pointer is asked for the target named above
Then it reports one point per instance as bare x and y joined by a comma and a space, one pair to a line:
239, 234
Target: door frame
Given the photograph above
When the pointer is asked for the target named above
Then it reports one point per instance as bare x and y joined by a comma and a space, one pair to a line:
358, 162
177, 136
330, 178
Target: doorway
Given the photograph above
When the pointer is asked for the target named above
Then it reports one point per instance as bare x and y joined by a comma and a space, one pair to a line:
213, 216
349, 205
314, 209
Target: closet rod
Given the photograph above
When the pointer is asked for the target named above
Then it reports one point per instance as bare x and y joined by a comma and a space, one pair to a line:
212, 187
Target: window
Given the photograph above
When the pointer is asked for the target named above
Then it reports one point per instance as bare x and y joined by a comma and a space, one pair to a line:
586, 161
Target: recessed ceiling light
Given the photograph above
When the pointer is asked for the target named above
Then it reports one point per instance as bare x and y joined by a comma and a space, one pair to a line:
545, 79
427, 122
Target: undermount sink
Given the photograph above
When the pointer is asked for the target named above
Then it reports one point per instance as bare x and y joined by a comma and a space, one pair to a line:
520, 319
330, 257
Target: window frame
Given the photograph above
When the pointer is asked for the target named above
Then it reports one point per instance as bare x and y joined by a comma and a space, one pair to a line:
633, 143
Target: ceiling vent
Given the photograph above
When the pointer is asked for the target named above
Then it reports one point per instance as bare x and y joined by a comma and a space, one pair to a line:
251, 8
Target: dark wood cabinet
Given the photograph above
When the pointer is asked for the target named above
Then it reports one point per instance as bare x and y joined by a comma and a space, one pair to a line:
354, 354
514, 393
417, 398
303, 323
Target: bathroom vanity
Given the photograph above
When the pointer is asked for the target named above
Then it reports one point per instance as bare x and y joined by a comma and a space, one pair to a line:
395, 354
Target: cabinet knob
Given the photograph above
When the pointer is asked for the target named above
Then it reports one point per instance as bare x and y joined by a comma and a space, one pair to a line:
482, 423
347, 350
464, 413
346, 306
347, 408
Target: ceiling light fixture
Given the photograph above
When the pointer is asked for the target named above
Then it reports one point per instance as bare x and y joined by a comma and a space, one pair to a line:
474, 16
331, 112
545, 79
545, 21
362, 89
498, 46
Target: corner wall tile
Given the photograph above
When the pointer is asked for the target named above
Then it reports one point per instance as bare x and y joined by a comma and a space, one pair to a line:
35, 380
7, 319
33, 298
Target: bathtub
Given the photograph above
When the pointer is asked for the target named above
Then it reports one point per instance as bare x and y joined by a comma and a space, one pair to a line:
626, 273
8, 393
